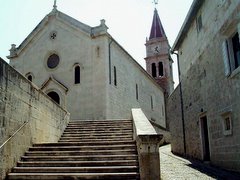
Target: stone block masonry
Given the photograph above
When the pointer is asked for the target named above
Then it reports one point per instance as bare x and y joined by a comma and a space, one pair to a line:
175, 122
27, 116
209, 76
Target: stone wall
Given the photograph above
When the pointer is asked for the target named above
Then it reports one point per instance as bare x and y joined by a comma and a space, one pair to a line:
23, 105
174, 121
134, 89
206, 90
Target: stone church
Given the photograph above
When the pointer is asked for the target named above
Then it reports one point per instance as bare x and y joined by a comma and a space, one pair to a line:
85, 70
74, 87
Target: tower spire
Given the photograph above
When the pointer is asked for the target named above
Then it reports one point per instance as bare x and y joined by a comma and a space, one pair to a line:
157, 28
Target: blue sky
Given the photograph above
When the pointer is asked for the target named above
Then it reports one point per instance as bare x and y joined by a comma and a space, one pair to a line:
129, 21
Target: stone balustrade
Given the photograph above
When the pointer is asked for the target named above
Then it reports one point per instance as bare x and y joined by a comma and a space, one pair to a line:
148, 142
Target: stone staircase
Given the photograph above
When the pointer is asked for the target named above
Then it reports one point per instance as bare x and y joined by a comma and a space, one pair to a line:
90, 149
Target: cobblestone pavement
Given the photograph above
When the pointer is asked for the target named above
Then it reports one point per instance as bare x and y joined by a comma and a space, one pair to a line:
174, 168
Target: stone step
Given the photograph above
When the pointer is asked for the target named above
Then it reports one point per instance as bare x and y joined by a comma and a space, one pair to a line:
97, 130
72, 134
75, 153
102, 169
82, 148
101, 124
77, 163
87, 143
99, 136
88, 149
129, 130
88, 140
100, 121
69, 176
93, 139
79, 158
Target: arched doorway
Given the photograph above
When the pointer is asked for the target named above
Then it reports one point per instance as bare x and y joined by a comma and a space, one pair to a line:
54, 96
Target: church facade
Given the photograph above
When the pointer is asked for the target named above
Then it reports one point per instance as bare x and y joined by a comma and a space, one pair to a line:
85, 70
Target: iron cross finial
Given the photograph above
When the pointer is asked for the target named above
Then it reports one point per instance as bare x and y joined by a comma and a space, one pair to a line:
55, 4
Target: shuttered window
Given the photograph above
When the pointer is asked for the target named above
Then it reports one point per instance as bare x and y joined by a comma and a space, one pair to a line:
231, 54
226, 59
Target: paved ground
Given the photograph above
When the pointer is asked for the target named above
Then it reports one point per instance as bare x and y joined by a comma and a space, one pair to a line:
175, 167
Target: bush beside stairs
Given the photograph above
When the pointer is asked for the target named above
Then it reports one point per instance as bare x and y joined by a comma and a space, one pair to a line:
89, 149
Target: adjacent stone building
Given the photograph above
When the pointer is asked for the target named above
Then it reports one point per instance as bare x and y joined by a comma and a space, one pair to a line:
204, 110
85, 70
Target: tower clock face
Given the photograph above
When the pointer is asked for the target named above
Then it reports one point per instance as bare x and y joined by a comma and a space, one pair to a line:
156, 49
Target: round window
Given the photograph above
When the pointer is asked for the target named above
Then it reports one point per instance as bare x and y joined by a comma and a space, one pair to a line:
53, 61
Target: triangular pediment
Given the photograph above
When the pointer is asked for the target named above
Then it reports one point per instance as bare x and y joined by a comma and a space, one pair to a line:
69, 21
53, 81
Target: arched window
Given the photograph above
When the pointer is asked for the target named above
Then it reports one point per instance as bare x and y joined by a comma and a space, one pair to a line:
137, 91
77, 74
54, 96
160, 68
115, 75
29, 77
154, 74
151, 102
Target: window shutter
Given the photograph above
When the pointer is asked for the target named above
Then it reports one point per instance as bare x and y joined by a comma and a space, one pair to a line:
226, 58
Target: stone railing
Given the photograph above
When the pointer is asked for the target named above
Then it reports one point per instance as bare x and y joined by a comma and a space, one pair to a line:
148, 142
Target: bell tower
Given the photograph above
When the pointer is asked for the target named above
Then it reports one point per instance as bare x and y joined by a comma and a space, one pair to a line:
158, 59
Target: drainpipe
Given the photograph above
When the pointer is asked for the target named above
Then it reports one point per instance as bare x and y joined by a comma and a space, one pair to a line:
109, 61
181, 101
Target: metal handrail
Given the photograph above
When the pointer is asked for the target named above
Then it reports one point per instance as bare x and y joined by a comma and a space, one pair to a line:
13, 134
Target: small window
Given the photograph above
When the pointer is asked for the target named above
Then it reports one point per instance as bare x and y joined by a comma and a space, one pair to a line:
53, 61
29, 76
151, 102
77, 74
136, 91
199, 23
160, 68
98, 51
227, 123
115, 75
154, 73
231, 54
